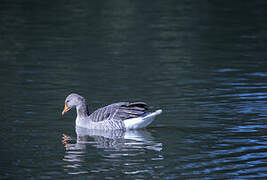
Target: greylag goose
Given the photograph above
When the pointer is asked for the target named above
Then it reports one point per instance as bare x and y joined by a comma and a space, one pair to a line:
122, 115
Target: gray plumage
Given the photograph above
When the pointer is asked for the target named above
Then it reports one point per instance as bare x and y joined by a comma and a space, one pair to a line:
122, 115
119, 111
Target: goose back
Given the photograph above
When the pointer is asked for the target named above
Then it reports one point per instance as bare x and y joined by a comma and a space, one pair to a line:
119, 111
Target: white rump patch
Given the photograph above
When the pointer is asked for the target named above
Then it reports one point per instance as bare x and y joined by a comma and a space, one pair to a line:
141, 122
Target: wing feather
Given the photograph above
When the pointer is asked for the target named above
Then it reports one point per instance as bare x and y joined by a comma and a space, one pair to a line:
119, 111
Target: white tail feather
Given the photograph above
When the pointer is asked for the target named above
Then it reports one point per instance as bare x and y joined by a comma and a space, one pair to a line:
141, 122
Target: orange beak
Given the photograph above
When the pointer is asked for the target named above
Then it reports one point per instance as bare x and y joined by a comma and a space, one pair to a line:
66, 109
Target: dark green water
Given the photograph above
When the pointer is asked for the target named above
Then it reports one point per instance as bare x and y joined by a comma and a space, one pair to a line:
204, 63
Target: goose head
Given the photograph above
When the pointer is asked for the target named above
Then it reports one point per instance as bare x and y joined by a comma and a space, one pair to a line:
72, 100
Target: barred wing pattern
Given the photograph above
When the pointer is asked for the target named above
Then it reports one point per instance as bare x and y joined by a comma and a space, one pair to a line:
119, 111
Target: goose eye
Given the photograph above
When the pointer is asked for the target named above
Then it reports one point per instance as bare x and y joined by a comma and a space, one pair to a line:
67, 101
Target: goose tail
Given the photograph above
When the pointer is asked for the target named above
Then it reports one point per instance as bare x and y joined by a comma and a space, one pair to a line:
142, 121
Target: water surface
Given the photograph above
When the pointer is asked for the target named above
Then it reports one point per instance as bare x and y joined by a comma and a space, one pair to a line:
203, 63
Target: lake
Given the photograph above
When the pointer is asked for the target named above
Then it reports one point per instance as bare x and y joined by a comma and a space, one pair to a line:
203, 63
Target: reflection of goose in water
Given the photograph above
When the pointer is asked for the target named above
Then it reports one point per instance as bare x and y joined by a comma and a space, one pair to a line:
113, 140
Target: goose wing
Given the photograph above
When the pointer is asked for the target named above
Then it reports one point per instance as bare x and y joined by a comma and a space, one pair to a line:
119, 111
